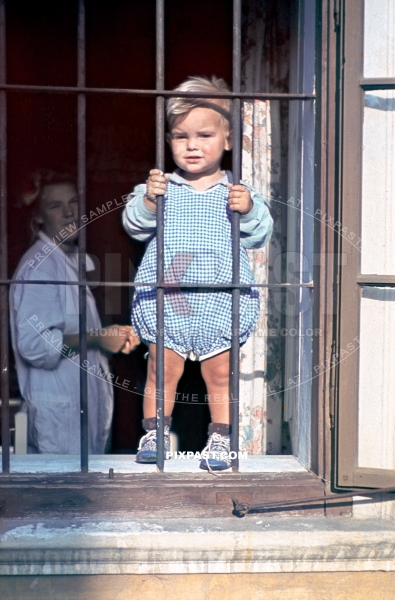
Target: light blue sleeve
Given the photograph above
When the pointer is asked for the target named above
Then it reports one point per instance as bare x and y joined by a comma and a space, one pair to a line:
256, 226
38, 320
138, 220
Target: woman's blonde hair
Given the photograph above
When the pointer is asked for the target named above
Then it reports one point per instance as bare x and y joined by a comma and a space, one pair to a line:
175, 107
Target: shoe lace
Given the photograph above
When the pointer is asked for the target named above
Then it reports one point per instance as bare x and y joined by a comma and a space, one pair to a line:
148, 437
222, 443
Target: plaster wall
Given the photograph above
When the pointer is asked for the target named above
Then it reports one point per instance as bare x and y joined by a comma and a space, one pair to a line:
270, 586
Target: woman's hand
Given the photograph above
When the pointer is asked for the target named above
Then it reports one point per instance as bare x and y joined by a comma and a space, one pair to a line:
118, 338
115, 338
156, 186
131, 343
240, 198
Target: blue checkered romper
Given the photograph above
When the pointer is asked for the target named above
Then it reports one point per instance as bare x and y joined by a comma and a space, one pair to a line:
198, 249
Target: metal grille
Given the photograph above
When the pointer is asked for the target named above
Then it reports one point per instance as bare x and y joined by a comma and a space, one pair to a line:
160, 93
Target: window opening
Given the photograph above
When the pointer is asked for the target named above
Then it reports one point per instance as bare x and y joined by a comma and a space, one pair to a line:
83, 93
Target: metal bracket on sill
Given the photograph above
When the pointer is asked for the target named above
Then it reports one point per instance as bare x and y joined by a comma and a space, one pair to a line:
241, 509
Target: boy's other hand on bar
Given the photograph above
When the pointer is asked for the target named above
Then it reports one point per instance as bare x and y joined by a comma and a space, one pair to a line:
239, 198
156, 186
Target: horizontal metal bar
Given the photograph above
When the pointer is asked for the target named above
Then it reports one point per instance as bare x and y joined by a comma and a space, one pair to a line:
13, 402
165, 93
376, 83
177, 286
243, 508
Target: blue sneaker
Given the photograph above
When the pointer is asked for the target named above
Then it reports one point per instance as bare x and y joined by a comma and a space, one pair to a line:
216, 455
146, 452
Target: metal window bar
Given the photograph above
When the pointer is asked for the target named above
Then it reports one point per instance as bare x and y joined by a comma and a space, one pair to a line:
155, 284
160, 297
236, 167
63, 89
5, 390
160, 93
81, 185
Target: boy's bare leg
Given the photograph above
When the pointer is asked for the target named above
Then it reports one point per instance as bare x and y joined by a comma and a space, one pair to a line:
174, 368
216, 372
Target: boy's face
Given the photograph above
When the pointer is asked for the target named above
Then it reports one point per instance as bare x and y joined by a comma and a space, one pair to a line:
198, 142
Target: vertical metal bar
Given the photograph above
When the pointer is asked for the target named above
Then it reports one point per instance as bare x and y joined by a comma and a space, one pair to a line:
160, 164
234, 353
81, 181
5, 391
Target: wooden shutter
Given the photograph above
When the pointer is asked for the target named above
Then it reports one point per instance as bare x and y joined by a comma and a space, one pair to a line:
366, 231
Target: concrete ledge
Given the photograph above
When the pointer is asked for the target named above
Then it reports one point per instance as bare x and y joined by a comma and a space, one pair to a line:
57, 463
173, 546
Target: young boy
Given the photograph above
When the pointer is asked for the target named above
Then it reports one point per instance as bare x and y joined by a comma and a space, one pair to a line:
199, 199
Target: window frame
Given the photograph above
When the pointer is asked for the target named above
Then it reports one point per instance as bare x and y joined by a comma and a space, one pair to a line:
249, 486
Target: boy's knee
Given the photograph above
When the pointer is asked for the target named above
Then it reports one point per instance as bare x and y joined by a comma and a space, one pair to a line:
172, 373
217, 375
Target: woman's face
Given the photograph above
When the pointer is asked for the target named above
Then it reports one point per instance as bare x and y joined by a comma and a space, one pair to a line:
59, 212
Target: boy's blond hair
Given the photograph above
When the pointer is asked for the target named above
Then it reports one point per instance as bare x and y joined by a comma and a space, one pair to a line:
175, 107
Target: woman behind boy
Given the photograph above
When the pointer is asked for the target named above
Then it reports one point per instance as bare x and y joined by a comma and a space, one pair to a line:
45, 325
